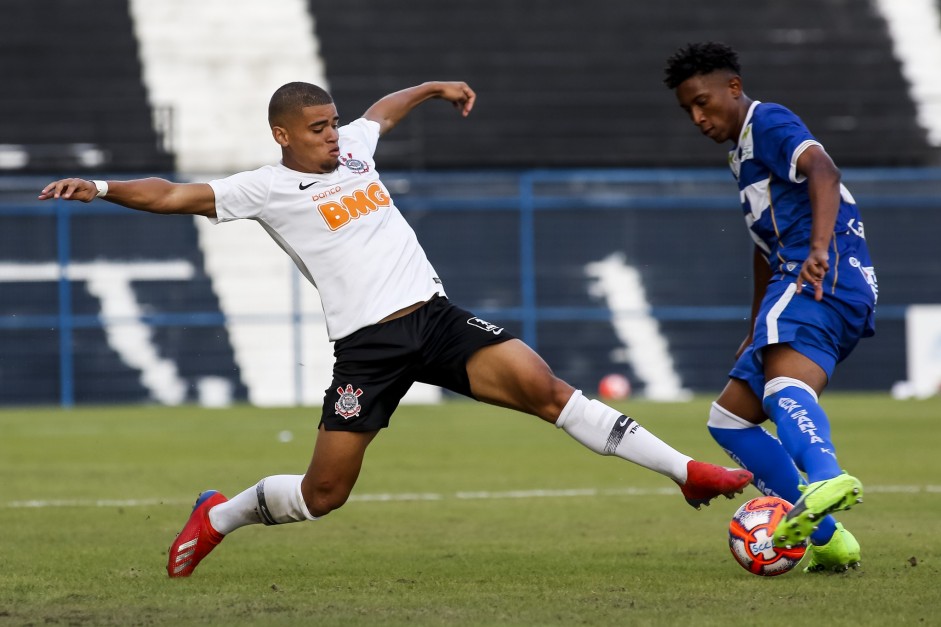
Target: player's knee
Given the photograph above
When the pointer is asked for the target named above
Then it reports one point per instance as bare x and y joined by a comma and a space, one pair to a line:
322, 503
722, 418
553, 395
539, 396
322, 497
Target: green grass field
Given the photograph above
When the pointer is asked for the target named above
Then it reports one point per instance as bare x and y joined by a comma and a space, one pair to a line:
464, 514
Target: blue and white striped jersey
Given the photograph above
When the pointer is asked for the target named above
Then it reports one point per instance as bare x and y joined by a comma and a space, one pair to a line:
777, 207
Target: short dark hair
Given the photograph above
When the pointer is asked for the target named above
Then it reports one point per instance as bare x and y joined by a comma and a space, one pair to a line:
294, 96
700, 58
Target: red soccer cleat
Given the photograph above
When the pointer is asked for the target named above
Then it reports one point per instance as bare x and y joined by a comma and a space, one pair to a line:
705, 482
197, 539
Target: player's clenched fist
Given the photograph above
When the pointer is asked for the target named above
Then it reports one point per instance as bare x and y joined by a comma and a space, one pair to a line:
460, 95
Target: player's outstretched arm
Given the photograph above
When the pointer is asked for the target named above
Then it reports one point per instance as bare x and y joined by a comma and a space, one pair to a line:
390, 110
151, 194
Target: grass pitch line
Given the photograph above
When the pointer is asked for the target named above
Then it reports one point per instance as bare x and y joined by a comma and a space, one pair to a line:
367, 498
534, 494
95, 503
434, 496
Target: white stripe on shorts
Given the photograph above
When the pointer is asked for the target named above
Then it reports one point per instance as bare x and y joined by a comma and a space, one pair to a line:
771, 320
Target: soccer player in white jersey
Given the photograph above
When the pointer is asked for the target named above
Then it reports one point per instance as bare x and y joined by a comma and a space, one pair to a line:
814, 298
386, 312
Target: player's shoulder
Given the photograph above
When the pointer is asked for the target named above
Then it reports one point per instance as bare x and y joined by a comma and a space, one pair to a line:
360, 137
360, 126
768, 114
360, 123
262, 175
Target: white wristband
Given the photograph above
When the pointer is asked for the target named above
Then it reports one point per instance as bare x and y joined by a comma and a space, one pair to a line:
102, 188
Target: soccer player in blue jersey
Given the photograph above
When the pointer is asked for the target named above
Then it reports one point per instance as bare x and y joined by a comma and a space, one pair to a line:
814, 297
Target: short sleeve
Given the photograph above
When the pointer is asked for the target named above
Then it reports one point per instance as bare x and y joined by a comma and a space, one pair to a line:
780, 138
362, 132
243, 195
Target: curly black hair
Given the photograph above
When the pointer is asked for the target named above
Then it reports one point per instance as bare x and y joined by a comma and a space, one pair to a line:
700, 58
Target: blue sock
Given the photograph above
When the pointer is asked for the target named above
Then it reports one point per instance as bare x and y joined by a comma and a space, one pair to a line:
803, 426
756, 450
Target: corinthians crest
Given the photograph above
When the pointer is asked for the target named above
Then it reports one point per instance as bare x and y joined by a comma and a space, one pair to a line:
354, 165
348, 405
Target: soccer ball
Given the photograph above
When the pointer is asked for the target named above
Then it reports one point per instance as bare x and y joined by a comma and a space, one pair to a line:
614, 387
751, 537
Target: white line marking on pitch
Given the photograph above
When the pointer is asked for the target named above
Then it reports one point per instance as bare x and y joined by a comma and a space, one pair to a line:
433, 496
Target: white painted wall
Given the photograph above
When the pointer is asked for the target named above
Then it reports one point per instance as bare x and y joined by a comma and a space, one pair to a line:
643, 346
216, 64
915, 27
253, 278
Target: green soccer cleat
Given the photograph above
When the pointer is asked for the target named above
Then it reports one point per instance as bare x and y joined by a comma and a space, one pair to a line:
837, 555
819, 499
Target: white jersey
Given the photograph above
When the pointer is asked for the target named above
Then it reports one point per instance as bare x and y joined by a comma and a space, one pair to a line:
341, 229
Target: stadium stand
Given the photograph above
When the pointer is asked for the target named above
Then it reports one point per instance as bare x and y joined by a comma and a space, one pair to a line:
74, 101
560, 87
556, 92
29, 354
72, 91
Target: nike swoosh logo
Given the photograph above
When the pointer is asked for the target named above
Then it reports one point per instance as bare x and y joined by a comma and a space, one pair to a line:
302, 187
624, 422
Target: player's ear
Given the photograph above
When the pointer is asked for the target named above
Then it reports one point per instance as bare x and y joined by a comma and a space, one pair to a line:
735, 86
280, 135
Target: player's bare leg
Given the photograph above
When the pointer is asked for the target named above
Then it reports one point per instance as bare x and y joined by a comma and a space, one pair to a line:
513, 375
279, 499
738, 398
334, 469
781, 360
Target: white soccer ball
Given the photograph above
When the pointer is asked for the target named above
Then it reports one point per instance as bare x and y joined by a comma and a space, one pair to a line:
751, 537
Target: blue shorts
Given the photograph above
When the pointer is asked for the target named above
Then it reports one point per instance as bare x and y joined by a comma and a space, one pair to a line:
824, 331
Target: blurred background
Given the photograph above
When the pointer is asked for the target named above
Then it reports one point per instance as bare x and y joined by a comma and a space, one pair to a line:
577, 205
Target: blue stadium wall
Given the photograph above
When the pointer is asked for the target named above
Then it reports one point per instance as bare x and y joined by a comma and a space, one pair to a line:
689, 243
555, 92
512, 246
32, 350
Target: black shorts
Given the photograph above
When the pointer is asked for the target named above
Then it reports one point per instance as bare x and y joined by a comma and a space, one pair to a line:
376, 365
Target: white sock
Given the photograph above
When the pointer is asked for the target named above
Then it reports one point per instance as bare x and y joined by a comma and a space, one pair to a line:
609, 432
273, 501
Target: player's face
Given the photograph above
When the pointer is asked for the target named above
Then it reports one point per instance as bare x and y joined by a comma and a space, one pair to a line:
309, 139
714, 104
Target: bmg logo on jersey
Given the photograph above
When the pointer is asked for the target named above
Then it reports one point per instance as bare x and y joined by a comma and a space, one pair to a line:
486, 326
339, 213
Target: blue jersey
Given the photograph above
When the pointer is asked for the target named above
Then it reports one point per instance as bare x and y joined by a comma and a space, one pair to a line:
777, 207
